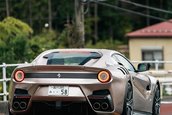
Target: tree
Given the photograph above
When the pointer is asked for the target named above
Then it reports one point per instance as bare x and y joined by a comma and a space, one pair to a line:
14, 35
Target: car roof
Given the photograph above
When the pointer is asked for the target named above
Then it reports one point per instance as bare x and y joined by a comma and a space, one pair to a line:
102, 51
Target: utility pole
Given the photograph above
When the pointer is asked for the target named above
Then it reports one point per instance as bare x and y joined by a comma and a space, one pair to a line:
79, 22
7, 8
49, 14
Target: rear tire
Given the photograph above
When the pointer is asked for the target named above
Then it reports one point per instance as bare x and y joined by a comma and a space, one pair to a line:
128, 102
156, 102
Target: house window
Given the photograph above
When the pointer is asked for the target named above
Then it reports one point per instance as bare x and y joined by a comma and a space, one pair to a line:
153, 54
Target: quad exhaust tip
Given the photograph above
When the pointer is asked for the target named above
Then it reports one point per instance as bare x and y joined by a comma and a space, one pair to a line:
16, 105
19, 105
23, 105
104, 106
96, 105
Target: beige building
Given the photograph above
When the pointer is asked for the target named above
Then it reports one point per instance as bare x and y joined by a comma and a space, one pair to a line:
152, 43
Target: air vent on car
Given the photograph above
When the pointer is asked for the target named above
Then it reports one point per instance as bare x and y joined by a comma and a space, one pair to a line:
124, 71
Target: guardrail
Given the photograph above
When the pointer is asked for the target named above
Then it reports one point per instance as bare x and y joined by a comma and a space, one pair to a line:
5, 79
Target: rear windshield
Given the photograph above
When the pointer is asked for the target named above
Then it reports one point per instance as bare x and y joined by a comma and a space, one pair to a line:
70, 58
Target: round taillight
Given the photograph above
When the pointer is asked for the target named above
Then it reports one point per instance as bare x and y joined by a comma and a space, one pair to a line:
103, 76
19, 76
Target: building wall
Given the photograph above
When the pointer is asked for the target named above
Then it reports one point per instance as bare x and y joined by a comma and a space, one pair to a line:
136, 45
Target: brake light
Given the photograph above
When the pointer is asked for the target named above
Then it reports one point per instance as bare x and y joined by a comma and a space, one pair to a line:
104, 76
19, 76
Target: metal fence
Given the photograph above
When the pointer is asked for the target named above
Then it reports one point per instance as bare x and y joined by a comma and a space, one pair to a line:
4, 79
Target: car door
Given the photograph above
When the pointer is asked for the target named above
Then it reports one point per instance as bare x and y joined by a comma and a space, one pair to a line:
141, 83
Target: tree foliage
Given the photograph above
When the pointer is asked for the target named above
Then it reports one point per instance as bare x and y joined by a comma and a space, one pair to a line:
14, 35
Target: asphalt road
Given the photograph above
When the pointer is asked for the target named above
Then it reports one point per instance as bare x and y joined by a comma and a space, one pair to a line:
139, 114
166, 109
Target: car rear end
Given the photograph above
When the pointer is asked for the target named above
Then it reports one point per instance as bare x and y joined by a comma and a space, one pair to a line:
61, 84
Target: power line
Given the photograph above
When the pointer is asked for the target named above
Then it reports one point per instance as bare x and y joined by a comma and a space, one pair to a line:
131, 11
145, 6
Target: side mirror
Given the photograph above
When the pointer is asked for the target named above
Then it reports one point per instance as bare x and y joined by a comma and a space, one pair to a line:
143, 67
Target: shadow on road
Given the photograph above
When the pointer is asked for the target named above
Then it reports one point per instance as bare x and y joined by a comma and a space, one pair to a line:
67, 108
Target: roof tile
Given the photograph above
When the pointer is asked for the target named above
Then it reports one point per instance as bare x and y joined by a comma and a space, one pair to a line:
163, 29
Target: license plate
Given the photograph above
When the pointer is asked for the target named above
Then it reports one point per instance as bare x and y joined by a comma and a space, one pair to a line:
58, 90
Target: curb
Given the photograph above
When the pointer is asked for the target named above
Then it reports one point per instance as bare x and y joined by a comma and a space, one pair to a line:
4, 108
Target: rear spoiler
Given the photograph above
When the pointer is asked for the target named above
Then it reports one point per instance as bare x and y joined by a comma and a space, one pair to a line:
38, 68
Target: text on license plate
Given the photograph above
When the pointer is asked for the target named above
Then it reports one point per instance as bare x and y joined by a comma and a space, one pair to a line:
58, 90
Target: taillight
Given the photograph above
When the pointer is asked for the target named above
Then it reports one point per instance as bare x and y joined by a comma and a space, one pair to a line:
104, 76
19, 76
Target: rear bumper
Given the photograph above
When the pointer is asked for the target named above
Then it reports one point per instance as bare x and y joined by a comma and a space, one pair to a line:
99, 100
97, 95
